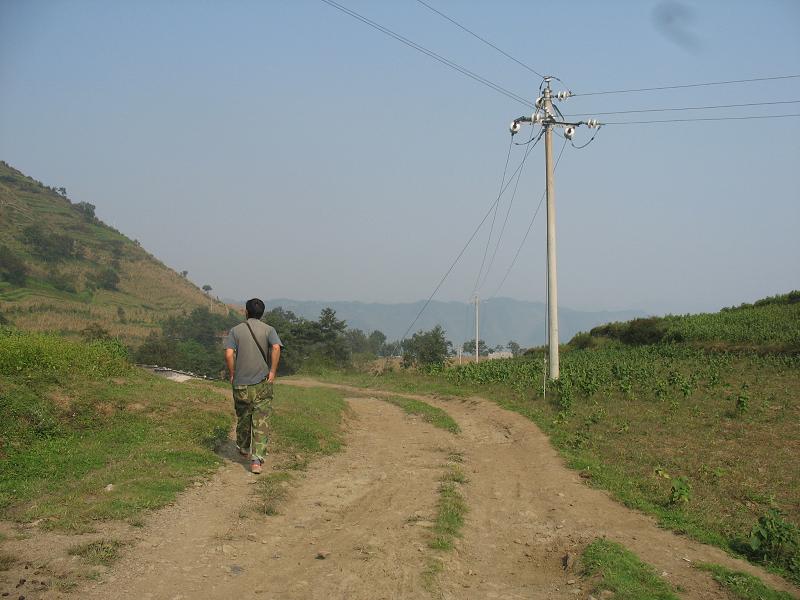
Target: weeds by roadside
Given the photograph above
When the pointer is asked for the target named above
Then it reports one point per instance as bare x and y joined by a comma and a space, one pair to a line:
611, 567
742, 586
272, 489
100, 552
430, 414
451, 509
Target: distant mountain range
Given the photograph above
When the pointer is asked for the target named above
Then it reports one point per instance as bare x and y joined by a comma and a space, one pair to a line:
501, 319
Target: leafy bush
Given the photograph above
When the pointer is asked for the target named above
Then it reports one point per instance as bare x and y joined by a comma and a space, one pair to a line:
775, 541
12, 268
48, 356
426, 348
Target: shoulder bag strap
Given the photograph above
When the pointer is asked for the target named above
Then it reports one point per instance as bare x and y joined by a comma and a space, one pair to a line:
263, 354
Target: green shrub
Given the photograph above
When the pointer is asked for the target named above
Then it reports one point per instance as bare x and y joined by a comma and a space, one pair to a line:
776, 541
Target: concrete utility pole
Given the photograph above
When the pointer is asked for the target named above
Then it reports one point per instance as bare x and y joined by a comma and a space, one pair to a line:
477, 325
552, 275
545, 115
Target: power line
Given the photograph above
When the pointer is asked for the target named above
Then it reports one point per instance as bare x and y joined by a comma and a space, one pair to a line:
648, 110
430, 53
496, 205
688, 85
701, 119
464, 249
530, 225
508, 211
485, 41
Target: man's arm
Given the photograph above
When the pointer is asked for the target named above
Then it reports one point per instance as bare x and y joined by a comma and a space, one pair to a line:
229, 361
276, 357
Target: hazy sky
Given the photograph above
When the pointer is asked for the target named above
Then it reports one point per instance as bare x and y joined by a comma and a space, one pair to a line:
284, 149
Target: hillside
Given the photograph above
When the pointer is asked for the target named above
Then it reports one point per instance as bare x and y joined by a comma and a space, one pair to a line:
502, 319
62, 269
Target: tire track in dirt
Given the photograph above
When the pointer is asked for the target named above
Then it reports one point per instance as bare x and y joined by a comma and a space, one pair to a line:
368, 506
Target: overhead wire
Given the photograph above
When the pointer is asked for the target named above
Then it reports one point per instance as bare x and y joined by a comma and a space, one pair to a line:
508, 210
484, 40
430, 53
496, 205
714, 107
687, 85
460, 254
530, 226
695, 119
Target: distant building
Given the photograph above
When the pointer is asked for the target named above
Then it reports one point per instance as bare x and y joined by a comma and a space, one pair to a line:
503, 354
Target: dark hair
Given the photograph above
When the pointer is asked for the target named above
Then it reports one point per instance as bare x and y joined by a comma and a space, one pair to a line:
254, 308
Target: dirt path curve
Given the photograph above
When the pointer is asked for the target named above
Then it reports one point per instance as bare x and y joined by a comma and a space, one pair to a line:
370, 506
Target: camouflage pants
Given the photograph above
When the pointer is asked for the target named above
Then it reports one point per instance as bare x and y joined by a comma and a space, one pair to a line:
253, 405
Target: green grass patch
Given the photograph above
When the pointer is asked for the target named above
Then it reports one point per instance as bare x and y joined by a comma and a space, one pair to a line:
450, 510
742, 586
618, 570
307, 420
402, 381
271, 490
430, 414
90, 446
433, 567
100, 552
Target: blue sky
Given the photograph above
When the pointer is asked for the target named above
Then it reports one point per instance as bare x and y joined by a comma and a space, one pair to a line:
284, 149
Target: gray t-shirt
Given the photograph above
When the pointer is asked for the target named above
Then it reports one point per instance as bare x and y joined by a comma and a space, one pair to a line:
250, 366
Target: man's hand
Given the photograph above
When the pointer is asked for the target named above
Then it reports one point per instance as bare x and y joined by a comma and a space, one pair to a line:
271, 377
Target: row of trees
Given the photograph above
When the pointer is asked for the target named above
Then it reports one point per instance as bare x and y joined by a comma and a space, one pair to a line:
194, 343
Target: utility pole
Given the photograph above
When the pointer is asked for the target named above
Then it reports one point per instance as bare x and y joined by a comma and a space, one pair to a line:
546, 115
552, 275
477, 325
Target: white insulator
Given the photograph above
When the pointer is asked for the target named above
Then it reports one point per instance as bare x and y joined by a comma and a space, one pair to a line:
537, 117
592, 123
569, 132
514, 127
540, 102
563, 95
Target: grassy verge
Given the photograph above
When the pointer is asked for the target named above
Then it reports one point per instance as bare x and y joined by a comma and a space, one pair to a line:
306, 423
402, 381
100, 552
618, 570
430, 414
86, 437
450, 510
742, 586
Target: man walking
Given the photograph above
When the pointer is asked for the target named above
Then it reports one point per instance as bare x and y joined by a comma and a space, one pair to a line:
252, 353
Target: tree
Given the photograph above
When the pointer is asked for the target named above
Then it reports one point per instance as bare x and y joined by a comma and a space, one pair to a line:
469, 348
376, 342
207, 288
86, 209
94, 332
184, 274
514, 348
12, 268
107, 279
426, 348
62, 191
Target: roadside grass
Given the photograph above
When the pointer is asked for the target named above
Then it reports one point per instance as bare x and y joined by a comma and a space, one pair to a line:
433, 567
430, 414
272, 489
451, 509
78, 445
306, 423
100, 552
729, 426
402, 381
741, 586
611, 567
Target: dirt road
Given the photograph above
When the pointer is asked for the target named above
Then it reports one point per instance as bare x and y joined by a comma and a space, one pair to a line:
368, 510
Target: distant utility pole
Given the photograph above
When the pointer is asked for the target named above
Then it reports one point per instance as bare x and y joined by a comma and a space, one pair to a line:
477, 326
546, 115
